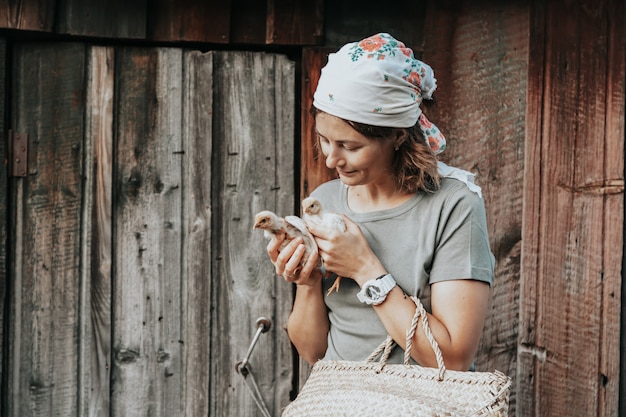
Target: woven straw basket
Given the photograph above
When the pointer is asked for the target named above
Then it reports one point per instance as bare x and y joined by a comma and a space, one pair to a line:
370, 388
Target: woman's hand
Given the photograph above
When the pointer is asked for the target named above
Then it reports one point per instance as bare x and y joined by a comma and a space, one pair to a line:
347, 254
288, 262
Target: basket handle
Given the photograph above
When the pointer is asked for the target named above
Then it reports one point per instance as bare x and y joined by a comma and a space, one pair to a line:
386, 346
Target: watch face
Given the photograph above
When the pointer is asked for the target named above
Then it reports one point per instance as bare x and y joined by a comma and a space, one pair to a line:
373, 292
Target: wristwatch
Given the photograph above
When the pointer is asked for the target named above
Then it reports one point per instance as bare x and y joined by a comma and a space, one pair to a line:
375, 291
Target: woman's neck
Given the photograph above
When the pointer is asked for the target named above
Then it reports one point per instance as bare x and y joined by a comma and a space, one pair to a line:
364, 199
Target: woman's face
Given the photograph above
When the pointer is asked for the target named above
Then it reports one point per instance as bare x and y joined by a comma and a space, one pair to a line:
357, 159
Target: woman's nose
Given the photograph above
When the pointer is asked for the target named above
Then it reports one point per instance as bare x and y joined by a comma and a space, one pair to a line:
332, 158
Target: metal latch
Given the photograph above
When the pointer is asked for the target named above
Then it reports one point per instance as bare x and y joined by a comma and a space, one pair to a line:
18, 154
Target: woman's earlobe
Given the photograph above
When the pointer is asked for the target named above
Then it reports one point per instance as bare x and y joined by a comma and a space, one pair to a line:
401, 137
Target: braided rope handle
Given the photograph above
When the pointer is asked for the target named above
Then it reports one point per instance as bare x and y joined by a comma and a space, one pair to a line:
386, 346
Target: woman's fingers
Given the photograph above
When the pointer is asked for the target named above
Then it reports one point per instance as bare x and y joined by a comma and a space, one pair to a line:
292, 267
273, 248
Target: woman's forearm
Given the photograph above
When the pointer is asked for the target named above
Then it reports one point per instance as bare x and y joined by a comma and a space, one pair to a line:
308, 324
459, 311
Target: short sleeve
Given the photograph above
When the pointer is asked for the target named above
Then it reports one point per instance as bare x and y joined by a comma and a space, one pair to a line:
462, 248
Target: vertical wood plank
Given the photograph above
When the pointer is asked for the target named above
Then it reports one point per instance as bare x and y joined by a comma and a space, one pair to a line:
284, 105
480, 55
313, 171
568, 328
190, 20
613, 359
43, 351
147, 344
196, 263
253, 171
96, 287
37, 15
111, 19
295, 22
528, 353
4, 217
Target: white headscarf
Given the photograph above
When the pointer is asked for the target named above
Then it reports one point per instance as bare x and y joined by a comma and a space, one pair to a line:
378, 81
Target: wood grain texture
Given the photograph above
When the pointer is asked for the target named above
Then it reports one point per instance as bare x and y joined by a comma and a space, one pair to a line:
4, 206
569, 351
253, 171
294, 22
190, 20
313, 171
147, 312
197, 143
97, 248
48, 93
120, 19
250, 22
37, 15
613, 392
480, 57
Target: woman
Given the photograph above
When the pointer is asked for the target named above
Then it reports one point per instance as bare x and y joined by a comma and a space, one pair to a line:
414, 225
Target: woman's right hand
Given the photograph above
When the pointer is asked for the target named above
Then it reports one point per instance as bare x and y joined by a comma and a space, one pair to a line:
288, 262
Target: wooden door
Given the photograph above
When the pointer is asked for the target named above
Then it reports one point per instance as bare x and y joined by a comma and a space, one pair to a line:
135, 278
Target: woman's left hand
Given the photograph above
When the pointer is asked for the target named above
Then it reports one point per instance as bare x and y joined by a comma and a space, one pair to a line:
347, 254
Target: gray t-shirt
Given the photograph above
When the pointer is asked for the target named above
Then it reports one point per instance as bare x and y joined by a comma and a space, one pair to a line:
430, 238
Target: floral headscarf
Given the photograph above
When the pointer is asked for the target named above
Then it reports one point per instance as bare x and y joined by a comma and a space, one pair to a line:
378, 81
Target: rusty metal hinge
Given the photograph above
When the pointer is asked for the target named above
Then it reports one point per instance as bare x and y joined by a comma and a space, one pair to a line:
17, 154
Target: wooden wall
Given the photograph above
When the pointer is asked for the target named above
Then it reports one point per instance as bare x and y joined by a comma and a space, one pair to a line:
4, 213
123, 262
569, 342
135, 278
252, 22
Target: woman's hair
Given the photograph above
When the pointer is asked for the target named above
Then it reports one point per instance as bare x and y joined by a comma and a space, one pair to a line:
415, 164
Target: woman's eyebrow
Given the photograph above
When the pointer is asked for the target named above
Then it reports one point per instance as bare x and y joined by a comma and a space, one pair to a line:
337, 140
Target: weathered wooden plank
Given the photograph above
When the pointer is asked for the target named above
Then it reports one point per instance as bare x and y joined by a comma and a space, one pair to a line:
284, 103
4, 206
196, 263
147, 344
97, 247
295, 22
45, 302
477, 50
253, 171
190, 20
313, 171
528, 352
111, 19
612, 363
35, 15
574, 315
